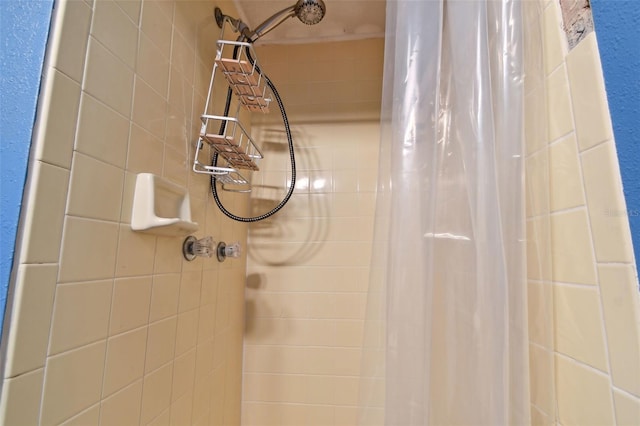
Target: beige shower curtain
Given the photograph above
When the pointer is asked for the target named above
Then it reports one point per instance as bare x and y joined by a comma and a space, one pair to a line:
446, 331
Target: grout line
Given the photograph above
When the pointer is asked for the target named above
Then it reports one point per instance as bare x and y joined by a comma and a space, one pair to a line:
595, 259
585, 365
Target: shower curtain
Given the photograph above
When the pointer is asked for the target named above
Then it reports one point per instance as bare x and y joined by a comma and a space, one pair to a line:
446, 331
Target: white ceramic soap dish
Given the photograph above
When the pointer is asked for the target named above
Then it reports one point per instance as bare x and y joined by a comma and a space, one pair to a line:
161, 207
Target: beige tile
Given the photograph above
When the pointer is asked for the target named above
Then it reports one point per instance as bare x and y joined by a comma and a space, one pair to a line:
56, 126
153, 66
181, 410
201, 397
607, 210
175, 166
145, 152
127, 197
136, 251
73, 381
206, 323
157, 26
30, 321
122, 408
78, 261
539, 266
103, 133
583, 396
95, 190
80, 315
572, 253
149, 109
627, 409
183, 57
131, 8
190, 288
164, 296
554, 38
579, 331
123, 43
164, 419
187, 331
20, 403
168, 258
130, 306
161, 342
183, 374
46, 198
108, 79
590, 108
564, 175
125, 360
156, 393
90, 416
541, 311
69, 38
560, 119
621, 304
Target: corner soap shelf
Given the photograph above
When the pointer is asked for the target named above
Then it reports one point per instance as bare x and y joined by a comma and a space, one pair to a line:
224, 133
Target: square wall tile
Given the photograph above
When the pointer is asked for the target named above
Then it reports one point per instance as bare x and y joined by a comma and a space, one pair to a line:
122, 408
564, 175
607, 206
183, 374
46, 198
90, 416
70, 34
108, 79
627, 408
130, 306
79, 260
156, 393
28, 335
125, 360
153, 66
145, 152
20, 403
123, 43
571, 248
559, 113
95, 190
136, 251
73, 382
621, 303
56, 126
103, 133
164, 296
149, 109
590, 107
541, 312
156, 25
554, 40
161, 343
579, 332
538, 183
80, 315
584, 396
131, 8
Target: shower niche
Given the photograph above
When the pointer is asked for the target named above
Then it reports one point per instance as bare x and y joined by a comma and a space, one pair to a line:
237, 72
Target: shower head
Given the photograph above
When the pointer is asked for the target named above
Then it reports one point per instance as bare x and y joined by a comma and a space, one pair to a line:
309, 12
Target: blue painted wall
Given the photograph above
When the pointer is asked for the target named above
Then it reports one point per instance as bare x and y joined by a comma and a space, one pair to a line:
616, 24
24, 27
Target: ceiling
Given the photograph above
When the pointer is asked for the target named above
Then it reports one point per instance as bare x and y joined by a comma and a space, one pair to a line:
344, 20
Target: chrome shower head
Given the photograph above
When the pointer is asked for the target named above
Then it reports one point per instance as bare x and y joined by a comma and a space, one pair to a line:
310, 12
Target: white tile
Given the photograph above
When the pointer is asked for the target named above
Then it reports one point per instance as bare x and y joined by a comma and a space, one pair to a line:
590, 108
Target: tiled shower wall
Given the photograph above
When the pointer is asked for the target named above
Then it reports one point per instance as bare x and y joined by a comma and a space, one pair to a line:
108, 325
308, 266
584, 302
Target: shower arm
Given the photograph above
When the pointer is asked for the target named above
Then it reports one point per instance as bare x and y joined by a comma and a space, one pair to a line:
269, 24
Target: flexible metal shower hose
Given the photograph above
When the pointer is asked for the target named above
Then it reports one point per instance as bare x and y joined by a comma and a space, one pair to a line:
214, 160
